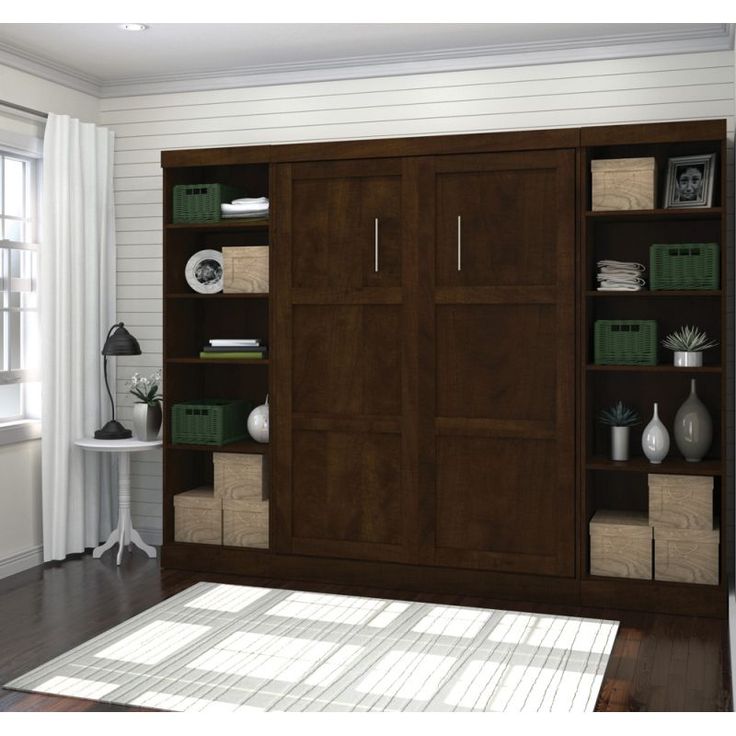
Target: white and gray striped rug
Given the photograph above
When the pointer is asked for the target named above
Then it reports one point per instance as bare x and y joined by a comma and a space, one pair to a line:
236, 648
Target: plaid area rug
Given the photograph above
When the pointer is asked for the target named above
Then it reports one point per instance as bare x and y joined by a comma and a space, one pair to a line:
236, 648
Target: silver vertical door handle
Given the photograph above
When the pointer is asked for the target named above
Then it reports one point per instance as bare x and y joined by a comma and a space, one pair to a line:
375, 245
459, 243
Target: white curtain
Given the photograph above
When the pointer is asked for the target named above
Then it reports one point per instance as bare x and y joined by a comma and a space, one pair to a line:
77, 308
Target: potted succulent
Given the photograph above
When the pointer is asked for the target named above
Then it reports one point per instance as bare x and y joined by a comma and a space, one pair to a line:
620, 418
688, 344
147, 409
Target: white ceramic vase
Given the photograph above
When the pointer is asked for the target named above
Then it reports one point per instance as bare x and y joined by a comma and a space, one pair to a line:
688, 359
258, 423
655, 440
146, 421
620, 443
693, 428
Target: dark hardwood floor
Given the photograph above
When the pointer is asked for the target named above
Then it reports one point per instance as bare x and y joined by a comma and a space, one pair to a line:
659, 663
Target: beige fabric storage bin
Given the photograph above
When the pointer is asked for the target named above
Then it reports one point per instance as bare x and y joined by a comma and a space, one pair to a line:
245, 269
245, 523
621, 544
624, 184
686, 555
198, 516
681, 501
239, 477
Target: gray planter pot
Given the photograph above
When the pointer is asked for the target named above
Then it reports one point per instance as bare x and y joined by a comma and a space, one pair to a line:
620, 443
146, 421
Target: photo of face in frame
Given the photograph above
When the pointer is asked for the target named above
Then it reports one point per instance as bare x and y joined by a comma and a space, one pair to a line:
690, 181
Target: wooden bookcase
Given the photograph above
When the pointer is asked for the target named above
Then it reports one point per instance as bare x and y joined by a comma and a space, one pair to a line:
626, 236
190, 319
595, 482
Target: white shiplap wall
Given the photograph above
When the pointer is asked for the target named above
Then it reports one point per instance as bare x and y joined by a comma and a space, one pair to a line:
651, 89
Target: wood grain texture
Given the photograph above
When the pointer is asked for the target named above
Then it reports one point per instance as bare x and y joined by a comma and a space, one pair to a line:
240, 477
681, 502
624, 184
503, 387
198, 517
658, 662
621, 545
245, 523
686, 555
245, 270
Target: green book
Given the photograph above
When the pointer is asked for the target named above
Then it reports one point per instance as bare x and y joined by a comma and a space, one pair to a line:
217, 356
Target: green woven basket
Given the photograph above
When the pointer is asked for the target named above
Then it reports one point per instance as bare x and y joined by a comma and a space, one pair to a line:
201, 202
210, 421
684, 266
625, 342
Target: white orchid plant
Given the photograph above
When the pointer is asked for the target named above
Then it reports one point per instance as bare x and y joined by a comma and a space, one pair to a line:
145, 388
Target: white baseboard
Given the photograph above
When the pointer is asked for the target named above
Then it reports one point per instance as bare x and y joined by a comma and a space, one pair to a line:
21, 561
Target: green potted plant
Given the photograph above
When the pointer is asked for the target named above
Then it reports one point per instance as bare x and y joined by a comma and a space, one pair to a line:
147, 409
620, 418
688, 344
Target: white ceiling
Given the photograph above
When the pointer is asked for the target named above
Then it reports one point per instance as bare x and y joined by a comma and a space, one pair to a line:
102, 59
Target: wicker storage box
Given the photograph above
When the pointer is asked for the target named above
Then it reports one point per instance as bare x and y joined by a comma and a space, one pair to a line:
684, 266
245, 523
239, 477
621, 544
681, 501
198, 516
623, 184
686, 555
625, 342
245, 270
200, 202
210, 421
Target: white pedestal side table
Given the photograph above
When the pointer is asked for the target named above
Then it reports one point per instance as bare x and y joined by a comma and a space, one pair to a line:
124, 534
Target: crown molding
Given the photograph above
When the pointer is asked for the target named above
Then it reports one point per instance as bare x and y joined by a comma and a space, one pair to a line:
714, 37
50, 70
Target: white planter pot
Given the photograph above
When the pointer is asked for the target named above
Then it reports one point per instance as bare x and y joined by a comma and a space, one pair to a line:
688, 360
620, 443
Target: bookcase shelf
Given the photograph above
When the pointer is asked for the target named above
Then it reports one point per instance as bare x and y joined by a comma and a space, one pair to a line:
627, 235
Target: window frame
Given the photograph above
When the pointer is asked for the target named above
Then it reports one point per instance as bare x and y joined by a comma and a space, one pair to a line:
22, 427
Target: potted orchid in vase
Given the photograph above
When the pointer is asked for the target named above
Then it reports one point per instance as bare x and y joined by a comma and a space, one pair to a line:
147, 408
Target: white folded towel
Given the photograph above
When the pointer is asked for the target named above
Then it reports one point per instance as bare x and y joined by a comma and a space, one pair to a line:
251, 200
628, 265
228, 208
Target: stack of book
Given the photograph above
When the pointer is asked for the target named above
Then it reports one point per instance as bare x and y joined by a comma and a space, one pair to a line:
235, 349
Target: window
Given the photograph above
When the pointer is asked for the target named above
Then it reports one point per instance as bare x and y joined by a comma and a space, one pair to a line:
19, 337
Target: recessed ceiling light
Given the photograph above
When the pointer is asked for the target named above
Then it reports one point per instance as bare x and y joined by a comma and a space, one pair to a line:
133, 27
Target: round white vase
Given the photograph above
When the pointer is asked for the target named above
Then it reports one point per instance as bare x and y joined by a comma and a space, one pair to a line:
693, 427
688, 359
258, 423
620, 443
655, 440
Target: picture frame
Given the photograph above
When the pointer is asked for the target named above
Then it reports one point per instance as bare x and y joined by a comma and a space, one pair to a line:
690, 181
204, 272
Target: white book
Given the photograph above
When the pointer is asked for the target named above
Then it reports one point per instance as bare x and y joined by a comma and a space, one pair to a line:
229, 343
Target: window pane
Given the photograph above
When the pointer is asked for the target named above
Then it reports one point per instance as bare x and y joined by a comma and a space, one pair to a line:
14, 340
3, 341
14, 188
14, 230
32, 399
31, 340
10, 401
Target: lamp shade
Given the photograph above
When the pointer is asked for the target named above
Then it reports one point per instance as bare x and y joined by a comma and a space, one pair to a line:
121, 342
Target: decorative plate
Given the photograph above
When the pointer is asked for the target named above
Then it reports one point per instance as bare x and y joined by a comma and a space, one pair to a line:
204, 271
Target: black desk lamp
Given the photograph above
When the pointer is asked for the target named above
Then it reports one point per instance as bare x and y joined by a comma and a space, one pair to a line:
119, 342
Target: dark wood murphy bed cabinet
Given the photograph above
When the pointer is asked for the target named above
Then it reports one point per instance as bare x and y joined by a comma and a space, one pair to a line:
428, 320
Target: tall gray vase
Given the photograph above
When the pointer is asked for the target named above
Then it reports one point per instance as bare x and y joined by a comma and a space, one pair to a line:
146, 421
693, 428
